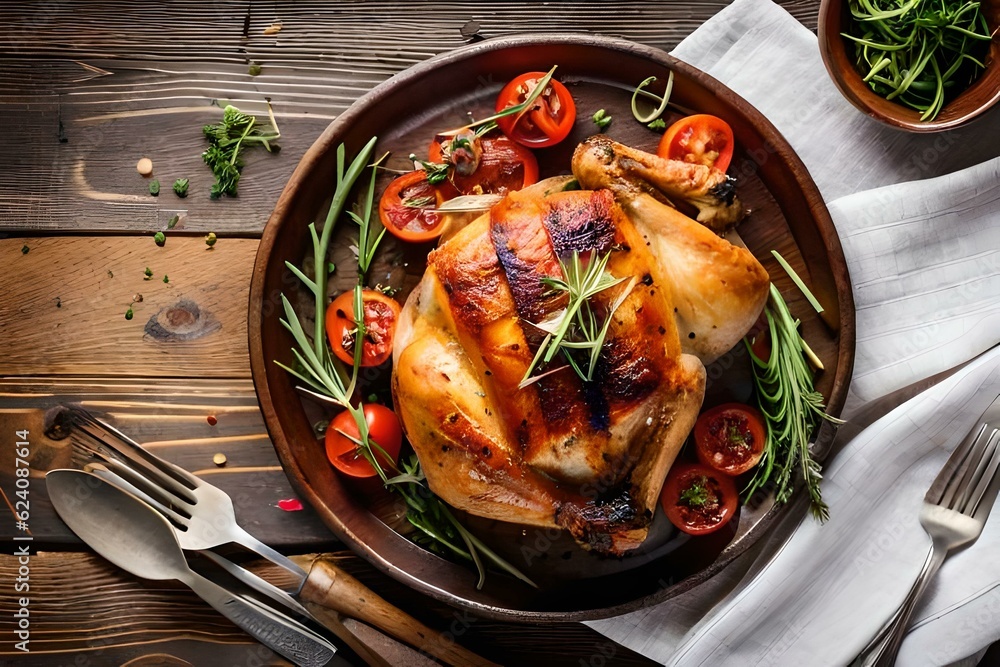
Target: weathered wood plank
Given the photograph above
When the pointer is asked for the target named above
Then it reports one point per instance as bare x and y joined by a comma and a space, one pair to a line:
64, 305
170, 418
89, 89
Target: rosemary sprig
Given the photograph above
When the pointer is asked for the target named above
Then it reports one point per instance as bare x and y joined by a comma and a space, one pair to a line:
792, 409
322, 373
577, 326
518, 109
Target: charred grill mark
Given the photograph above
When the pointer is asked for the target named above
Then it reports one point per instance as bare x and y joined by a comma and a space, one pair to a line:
597, 403
624, 373
725, 191
473, 285
578, 225
594, 522
525, 253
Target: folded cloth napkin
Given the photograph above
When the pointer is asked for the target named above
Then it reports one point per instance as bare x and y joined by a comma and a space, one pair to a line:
919, 219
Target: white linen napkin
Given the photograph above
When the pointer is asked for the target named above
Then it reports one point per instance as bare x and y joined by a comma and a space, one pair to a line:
924, 257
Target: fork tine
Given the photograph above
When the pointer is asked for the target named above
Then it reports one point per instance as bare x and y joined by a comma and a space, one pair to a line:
979, 460
134, 450
140, 491
84, 435
957, 473
986, 482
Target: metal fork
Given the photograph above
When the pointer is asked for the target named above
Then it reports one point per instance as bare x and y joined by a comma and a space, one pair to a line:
202, 513
955, 510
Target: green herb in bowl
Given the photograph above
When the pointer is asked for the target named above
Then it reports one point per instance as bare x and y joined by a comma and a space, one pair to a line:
919, 53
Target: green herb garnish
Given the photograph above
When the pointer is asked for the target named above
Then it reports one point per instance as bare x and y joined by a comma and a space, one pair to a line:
159, 238
181, 187
320, 370
437, 172
696, 495
661, 101
792, 409
577, 329
211, 239
154, 188
659, 125
518, 109
172, 222
148, 273
227, 140
129, 314
601, 119
919, 52
165, 278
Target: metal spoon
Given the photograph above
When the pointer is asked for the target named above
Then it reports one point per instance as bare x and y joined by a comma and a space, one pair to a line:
136, 538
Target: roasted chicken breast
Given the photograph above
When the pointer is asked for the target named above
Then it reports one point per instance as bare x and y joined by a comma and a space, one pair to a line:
588, 456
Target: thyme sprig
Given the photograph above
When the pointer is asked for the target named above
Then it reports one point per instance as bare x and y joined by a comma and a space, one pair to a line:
328, 380
792, 409
577, 327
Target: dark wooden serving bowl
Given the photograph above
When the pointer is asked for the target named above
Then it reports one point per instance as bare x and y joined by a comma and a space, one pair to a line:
837, 54
405, 112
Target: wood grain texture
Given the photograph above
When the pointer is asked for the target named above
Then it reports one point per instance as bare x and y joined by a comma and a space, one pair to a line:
84, 611
169, 418
64, 303
90, 87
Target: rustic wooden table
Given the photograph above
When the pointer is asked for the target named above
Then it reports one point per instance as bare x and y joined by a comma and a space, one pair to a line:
86, 89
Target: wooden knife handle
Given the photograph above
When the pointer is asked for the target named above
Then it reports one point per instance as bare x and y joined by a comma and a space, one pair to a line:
331, 587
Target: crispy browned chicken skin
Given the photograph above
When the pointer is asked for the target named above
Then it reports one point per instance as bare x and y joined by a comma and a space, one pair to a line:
590, 457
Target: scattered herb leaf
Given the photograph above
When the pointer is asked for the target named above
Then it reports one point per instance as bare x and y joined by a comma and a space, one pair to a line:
148, 273
254, 69
601, 119
227, 140
160, 238
25, 249
696, 495
165, 278
659, 125
437, 173
211, 239
129, 314
154, 188
172, 222
181, 187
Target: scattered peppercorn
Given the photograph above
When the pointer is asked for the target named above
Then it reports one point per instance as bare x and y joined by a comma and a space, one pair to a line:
160, 238
181, 187
154, 188
254, 69
212, 421
25, 249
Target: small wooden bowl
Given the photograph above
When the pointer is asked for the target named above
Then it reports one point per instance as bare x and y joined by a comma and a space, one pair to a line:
834, 16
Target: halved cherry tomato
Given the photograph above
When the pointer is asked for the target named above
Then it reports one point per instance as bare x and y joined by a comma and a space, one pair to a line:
383, 430
381, 315
699, 139
407, 207
698, 499
550, 119
730, 438
503, 166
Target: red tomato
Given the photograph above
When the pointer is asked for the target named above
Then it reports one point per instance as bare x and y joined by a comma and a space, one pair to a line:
383, 430
407, 208
503, 166
381, 315
699, 139
730, 438
698, 499
547, 122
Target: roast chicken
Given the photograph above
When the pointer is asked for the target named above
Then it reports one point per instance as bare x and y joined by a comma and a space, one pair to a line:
589, 456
